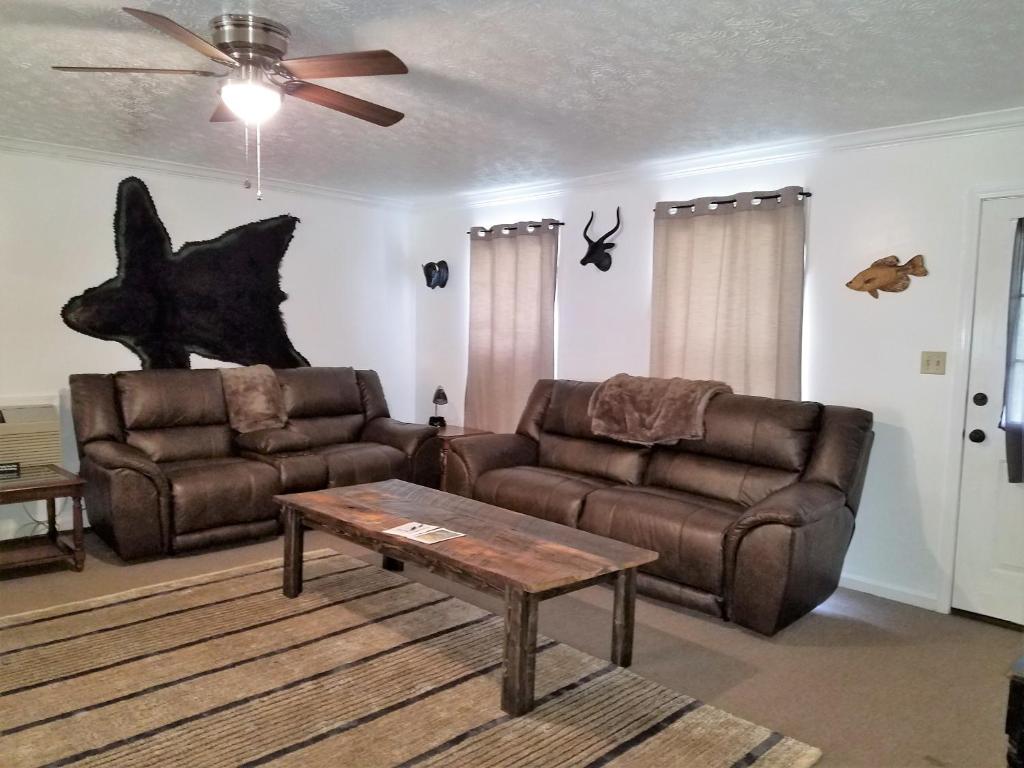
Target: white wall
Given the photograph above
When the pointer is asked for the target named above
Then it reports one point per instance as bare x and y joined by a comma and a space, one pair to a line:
903, 199
357, 298
346, 273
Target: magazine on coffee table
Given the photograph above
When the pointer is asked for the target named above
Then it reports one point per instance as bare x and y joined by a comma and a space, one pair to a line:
423, 533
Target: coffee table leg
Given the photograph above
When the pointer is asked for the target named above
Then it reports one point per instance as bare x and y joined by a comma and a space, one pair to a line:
77, 534
392, 564
293, 535
520, 652
623, 618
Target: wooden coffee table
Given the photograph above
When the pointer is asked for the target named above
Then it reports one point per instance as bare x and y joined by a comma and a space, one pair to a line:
522, 558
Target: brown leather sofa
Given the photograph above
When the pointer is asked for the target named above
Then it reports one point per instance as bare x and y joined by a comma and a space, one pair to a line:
752, 523
166, 473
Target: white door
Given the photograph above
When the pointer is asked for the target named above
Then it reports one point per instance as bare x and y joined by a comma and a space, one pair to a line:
989, 576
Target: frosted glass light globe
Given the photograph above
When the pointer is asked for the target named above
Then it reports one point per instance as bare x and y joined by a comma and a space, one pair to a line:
251, 101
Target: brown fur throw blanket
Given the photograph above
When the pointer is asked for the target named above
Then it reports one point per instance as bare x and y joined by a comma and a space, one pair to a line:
253, 398
636, 409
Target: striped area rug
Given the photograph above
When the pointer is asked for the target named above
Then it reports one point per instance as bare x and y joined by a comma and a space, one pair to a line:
365, 668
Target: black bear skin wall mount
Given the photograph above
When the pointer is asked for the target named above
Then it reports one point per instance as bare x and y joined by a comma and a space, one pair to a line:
598, 250
217, 298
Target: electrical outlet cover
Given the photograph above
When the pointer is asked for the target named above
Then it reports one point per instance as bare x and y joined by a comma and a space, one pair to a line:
933, 363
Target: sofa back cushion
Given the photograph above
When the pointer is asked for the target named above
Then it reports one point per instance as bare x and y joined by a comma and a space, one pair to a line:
329, 430
175, 415
759, 431
316, 392
596, 458
567, 442
732, 481
752, 447
323, 404
172, 398
568, 409
182, 443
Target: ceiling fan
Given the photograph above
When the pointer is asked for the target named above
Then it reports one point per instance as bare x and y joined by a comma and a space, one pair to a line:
258, 75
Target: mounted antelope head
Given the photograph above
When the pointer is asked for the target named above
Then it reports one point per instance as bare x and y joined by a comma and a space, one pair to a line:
598, 250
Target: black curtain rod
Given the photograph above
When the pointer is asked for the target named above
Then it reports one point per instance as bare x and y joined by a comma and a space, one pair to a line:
539, 224
734, 200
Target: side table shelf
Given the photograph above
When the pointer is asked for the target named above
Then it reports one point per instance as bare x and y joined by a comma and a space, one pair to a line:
44, 483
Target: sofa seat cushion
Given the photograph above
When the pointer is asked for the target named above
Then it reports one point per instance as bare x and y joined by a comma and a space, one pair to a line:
552, 494
354, 463
208, 493
297, 471
685, 529
212, 441
271, 441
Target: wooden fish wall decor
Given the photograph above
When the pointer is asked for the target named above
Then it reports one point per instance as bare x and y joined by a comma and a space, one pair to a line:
888, 275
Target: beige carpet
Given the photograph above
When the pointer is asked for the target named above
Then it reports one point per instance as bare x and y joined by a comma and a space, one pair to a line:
365, 668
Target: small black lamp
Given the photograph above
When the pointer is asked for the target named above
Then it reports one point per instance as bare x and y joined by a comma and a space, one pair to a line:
440, 398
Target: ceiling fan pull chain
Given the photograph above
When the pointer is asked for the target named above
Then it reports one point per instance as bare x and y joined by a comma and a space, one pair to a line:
247, 184
259, 166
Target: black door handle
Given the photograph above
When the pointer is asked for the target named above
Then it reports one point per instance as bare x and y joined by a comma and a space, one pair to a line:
980, 398
976, 436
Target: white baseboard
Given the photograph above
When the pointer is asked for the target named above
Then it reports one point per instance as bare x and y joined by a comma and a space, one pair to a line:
891, 592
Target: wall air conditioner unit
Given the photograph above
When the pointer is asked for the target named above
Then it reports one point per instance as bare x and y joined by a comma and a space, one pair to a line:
29, 435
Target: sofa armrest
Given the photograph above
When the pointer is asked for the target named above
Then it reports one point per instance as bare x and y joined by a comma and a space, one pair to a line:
112, 455
408, 438
797, 504
784, 555
472, 456
269, 441
127, 498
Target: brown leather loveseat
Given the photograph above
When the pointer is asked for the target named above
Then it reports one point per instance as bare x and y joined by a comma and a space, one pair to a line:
166, 473
752, 523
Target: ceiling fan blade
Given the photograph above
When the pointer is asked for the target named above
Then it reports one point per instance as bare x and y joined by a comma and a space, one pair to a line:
182, 35
222, 114
342, 102
140, 70
356, 64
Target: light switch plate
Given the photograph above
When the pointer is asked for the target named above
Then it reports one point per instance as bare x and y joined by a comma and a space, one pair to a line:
934, 363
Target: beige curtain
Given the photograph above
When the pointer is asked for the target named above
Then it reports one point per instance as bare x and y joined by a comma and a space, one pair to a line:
728, 291
511, 319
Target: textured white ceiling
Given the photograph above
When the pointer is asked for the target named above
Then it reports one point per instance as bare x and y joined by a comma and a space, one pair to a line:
503, 92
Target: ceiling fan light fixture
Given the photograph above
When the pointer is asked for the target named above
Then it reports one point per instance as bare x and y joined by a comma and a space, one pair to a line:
251, 96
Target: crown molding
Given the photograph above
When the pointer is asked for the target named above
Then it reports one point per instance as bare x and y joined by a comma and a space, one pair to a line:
134, 162
658, 170
745, 157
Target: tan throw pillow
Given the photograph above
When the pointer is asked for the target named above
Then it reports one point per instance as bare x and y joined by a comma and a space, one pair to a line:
254, 398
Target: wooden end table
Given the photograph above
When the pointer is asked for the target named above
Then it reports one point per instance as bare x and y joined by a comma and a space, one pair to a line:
44, 483
521, 558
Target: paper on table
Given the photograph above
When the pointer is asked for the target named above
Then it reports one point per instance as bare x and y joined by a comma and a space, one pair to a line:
423, 533
409, 530
436, 535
